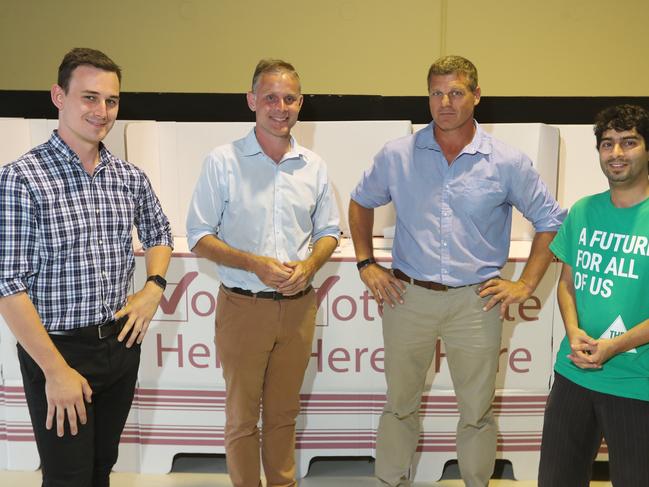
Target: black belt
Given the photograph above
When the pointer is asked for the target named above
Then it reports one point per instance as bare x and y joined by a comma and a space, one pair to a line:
274, 295
102, 331
432, 285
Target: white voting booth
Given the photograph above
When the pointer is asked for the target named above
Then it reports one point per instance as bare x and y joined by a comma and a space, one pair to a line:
179, 403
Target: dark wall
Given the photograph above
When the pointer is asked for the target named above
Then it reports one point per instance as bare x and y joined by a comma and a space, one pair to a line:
214, 107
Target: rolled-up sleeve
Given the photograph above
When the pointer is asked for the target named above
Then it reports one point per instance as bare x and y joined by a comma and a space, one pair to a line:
373, 190
152, 224
19, 230
325, 217
207, 204
529, 194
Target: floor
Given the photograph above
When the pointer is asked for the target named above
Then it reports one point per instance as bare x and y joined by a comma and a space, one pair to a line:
209, 471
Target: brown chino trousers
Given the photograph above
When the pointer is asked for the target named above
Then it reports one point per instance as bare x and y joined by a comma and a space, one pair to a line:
264, 347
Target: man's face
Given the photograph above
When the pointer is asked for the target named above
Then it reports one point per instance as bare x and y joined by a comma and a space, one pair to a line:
88, 110
276, 103
451, 101
623, 157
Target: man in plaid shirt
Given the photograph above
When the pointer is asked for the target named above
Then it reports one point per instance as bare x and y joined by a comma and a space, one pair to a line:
67, 209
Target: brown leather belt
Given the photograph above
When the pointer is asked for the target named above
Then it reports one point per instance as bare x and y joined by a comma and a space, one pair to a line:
274, 295
433, 286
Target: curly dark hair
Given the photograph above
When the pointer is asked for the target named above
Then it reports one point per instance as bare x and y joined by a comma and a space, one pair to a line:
620, 118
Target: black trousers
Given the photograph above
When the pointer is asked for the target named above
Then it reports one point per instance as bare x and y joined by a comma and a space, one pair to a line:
84, 460
575, 421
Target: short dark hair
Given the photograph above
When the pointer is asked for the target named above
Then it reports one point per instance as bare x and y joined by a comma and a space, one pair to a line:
620, 118
454, 65
80, 56
273, 66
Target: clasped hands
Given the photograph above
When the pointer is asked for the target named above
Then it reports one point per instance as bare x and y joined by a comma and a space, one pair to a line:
588, 352
287, 278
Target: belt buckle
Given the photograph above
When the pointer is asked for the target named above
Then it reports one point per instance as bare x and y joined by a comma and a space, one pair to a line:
100, 331
277, 296
106, 326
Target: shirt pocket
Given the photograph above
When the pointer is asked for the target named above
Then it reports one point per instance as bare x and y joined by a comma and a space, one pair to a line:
480, 197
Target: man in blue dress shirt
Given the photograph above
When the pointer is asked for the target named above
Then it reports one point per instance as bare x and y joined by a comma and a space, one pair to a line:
258, 204
453, 187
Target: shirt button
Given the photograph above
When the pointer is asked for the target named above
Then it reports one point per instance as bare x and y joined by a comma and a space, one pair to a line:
444, 271
444, 243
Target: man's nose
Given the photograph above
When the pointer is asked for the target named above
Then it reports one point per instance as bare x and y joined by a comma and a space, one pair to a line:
100, 109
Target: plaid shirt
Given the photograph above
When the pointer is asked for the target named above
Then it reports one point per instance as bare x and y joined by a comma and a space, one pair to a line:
66, 236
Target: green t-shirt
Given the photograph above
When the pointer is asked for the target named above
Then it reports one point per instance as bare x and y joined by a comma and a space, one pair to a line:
608, 249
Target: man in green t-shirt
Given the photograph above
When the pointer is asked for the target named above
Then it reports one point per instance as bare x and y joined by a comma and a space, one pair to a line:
601, 387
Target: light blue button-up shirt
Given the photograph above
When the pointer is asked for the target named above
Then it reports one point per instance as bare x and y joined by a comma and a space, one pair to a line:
255, 205
454, 222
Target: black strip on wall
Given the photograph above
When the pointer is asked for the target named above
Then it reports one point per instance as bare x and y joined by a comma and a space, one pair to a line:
220, 107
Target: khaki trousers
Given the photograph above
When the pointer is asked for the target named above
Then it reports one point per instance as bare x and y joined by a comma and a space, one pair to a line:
472, 341
264, 347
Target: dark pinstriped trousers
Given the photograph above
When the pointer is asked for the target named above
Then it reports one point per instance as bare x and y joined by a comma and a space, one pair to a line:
576, 420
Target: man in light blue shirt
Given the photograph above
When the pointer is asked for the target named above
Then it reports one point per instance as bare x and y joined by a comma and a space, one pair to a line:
257, 206
453, 187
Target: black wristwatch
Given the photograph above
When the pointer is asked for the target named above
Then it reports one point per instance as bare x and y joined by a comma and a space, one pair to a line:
159, 280
364, 263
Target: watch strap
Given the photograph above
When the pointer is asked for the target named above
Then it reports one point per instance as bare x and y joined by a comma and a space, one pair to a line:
364, 263
159, 280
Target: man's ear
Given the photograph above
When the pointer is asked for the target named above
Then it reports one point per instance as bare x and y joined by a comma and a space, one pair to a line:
476, 94
58, 96
250, 97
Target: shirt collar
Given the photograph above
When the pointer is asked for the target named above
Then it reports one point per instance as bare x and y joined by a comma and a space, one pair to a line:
70, 156
251, 147
481, 142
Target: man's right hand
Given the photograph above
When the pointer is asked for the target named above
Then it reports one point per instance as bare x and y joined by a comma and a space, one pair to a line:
271, 271
383, 285
580, 347
65, 392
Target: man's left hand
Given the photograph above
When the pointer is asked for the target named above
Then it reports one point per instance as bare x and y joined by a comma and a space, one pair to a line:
601, 351
300, 278
504, 292
140, 308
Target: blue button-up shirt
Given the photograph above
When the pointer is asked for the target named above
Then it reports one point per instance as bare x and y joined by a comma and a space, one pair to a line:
66, 236
255, 205
454, 221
